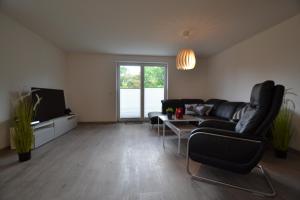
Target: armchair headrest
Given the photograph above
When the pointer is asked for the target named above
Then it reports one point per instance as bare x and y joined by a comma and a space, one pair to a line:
261, 94
260, 104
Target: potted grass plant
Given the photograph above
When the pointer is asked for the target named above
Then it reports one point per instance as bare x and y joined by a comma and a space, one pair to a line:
282, 127
23, 132
169, 112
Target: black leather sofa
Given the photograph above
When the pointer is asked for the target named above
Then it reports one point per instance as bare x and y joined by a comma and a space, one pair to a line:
222, 109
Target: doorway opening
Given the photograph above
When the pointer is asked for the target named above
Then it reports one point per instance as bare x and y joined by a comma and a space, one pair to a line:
141, 87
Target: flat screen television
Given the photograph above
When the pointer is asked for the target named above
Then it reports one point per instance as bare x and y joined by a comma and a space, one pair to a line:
52, 104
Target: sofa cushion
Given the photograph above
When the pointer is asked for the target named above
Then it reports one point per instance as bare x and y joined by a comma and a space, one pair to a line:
190, 101
226, 110
208, 118
190, 109
215, 103
203, 109
198, 109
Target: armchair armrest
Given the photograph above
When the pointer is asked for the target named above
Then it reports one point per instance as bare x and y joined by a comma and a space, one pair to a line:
225, 133
218, 124
224, 149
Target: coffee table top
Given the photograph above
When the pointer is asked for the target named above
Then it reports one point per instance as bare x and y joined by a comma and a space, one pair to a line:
186, 118
179, 128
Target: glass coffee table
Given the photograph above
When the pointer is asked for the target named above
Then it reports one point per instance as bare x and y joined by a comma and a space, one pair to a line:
181, 127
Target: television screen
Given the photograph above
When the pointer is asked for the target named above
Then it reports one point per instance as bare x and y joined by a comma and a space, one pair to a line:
52, 104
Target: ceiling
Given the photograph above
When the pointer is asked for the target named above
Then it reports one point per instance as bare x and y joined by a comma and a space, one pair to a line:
148, 27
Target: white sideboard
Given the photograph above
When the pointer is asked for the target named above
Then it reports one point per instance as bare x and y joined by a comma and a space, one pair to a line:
46, 131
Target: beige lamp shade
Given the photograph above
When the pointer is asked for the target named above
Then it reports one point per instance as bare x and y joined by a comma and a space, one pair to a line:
185, 59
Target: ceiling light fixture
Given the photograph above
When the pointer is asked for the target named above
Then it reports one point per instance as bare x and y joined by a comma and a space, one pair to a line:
186, 59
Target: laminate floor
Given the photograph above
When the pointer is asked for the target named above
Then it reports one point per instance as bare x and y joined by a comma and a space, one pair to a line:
126, 161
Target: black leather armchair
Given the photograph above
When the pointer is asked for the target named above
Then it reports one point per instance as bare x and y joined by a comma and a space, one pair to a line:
238, 147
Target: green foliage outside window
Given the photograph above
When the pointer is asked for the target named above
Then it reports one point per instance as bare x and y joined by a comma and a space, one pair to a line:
154, 78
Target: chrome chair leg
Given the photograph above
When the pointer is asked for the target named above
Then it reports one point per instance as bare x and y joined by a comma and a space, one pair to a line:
256, 192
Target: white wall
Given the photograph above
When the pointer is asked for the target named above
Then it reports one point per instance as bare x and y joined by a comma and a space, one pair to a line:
25, 60
91, 83
273, 54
